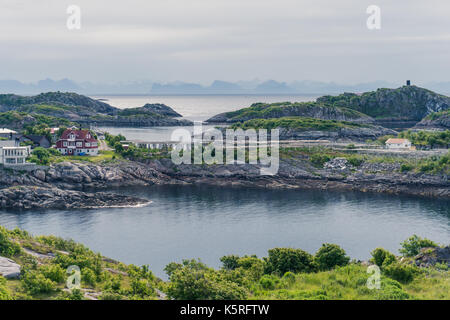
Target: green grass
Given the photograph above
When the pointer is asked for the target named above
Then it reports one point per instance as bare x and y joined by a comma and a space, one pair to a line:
438, 115
275, 110
102, 157
349, 283
298, 123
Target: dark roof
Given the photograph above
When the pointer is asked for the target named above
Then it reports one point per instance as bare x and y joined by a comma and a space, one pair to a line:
36, 138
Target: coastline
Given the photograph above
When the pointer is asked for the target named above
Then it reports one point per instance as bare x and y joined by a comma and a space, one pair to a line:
62, 185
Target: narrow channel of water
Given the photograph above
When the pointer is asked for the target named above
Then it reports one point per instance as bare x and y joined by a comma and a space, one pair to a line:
208, 222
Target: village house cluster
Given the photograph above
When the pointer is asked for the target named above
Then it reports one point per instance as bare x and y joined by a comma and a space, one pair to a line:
15, 147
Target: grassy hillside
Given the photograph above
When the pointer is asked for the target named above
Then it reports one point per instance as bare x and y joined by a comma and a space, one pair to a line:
286, 273
288, 109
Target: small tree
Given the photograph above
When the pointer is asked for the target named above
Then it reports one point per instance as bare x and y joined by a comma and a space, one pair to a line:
282, 260
382, 257
230, 262
412, 246
330, 255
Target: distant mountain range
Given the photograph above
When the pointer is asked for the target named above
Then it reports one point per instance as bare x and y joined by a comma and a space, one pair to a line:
216, 87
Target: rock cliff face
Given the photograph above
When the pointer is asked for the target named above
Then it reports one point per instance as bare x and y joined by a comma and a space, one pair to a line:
430, 256
437, 120
287, 109
407, 103
53, 198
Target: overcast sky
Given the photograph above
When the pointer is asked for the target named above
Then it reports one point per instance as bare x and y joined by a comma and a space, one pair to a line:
203, 40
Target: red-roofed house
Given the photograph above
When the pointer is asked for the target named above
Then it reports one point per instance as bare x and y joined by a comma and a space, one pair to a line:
77, 142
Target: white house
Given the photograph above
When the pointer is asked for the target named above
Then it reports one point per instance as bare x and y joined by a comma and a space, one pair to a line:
395, 143
12, 154
7, 133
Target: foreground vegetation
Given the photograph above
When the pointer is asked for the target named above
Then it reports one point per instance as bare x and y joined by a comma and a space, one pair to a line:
286, 273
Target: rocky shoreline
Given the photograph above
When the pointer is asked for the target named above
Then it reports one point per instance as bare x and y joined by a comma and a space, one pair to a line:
69, 184
27, 197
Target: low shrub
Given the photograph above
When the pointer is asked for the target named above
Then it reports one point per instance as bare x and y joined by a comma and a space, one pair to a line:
53, 272
412, 246
36, 283
403, 273
8, 248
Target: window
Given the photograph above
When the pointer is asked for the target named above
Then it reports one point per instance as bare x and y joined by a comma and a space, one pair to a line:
79, 144
65, 143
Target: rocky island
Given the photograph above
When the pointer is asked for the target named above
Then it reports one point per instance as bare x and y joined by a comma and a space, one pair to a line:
65, 108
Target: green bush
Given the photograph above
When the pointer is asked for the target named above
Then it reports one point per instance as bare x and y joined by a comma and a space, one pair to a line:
230, 262
382, 257
412, 246
355, 161
8, 248
36, 283
53, 272
76, 294
329, 256
289, 277
391, 290
406, 167
268, 282
282, 260
192, 280
88, 276
141, 288
319, 159
4, 292
403, 273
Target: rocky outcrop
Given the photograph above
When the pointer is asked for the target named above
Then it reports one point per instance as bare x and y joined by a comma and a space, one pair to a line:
53, 198
84, 110
9, 269
287, 109
431, 256
162, 109
401, 104
437, 120
11, 101
340, 134
294, 173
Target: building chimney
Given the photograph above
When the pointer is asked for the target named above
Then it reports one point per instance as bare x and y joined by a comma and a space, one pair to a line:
408, 82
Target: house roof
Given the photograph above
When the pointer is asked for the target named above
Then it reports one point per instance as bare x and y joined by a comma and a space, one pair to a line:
36, 138
396, 141
5, 130
79, 135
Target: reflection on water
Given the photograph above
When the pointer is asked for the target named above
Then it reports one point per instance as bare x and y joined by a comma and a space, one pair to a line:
209, 222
